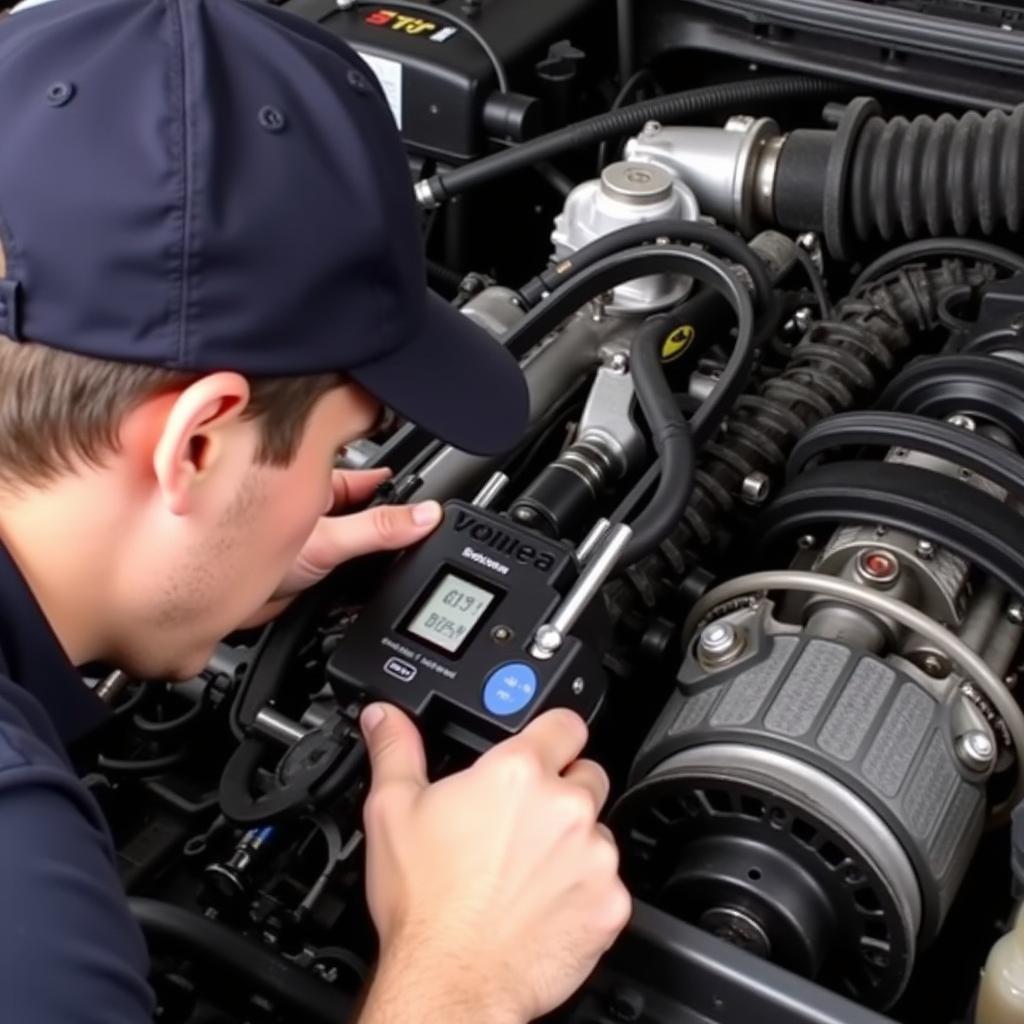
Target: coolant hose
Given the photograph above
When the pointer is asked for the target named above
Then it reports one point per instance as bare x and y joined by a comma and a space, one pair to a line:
434, 191
213, 947
672, 438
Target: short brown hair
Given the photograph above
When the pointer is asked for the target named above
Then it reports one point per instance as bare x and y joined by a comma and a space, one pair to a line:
58, 408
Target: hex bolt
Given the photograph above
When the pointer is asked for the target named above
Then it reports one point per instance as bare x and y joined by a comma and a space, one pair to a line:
755, 488
1015, 613
976, 750
619, 362
925, 549
806, 542
935, 666
578, 685
720, 643
963, 422
878, 566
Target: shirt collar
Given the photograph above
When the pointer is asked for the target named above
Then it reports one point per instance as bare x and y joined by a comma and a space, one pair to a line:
34, 658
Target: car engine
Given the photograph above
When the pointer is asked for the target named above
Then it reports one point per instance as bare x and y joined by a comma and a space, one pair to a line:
762, 264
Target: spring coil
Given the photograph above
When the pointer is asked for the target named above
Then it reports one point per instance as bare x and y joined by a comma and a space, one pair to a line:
838, 365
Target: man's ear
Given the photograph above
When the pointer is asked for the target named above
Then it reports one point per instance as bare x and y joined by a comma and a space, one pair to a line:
195, 435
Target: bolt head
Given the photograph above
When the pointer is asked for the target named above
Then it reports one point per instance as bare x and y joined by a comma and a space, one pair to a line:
976, 750
1015, 614
803, 318
619, 362
578, 685
652, 128
925, 549
720, 643
807, 541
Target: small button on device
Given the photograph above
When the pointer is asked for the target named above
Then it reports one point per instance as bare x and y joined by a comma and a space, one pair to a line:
510, 688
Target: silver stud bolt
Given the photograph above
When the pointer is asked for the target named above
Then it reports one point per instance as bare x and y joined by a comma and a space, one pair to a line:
976, 750
720, 643
925, 549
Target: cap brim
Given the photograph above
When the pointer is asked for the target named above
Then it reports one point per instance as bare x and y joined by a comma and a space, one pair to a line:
455, 381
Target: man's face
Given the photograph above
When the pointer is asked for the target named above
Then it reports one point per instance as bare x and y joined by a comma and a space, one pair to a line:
217, 574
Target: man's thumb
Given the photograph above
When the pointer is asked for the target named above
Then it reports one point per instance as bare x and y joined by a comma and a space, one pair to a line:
394, 744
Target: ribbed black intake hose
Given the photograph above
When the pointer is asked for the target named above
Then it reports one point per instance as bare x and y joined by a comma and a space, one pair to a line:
884, 178
674, 107
218, 951
927, 176
839, 364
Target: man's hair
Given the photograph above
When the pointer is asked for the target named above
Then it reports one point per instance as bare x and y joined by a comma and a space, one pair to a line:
58, 409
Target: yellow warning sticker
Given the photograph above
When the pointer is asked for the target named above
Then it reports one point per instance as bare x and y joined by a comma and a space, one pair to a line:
677, 343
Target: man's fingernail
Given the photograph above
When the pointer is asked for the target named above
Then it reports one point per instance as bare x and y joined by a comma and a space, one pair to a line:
427, 513
371, 717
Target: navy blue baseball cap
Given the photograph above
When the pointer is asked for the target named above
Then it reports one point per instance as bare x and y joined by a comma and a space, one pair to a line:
219, 185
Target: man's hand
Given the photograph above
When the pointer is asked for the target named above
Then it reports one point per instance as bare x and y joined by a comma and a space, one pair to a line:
336, 539
494, 891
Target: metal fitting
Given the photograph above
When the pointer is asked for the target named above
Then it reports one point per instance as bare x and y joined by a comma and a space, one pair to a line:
976, 750
1015, 613
803, 319
925, 550
546, 641
720, 643
806, 542
755, 488
878, 567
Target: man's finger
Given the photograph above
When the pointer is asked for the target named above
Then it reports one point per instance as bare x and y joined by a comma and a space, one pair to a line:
556, 737
383, 528
394, 745
356, 486
589, 776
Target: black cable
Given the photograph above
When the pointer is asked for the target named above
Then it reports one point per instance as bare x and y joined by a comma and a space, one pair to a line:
220, 952
672, 438
433, 12
150, 766
804, 258
691, 232
623, 94
674, 107
935, 248
626, 32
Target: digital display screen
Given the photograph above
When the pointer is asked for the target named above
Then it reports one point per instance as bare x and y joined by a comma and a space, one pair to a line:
450, 613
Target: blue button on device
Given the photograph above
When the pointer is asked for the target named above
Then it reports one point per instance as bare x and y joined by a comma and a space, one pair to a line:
510, 688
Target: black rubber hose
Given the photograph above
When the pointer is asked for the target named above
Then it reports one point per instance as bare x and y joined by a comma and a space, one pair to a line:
216, 949
688, 232
674, 107
932, 176
672, 438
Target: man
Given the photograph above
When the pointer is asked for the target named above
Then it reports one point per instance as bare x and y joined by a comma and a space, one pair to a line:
210, 280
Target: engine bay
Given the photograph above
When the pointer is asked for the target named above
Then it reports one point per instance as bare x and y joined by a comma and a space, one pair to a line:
761, 264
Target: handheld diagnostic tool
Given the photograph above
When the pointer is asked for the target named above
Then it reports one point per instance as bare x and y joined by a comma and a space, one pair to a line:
452, 630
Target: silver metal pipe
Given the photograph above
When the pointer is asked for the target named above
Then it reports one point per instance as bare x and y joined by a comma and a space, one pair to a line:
589, 543
487, 494
549, 636
276, 726
969, 662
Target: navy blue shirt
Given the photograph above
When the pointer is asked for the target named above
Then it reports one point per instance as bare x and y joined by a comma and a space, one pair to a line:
70, 951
